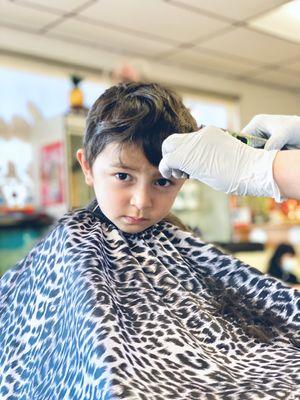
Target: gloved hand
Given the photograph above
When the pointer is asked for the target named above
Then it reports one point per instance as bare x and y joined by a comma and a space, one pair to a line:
280, 129
214, 157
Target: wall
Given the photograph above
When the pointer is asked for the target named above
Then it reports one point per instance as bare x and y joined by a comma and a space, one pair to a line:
253, 99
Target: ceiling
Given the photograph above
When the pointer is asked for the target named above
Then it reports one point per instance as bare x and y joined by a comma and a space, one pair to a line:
212, 37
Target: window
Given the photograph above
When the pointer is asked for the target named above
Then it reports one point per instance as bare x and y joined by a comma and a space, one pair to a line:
200, 207
49, 94
23, 96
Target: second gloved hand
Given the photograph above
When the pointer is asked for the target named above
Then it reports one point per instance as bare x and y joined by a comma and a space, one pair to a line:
280, 130
222, 162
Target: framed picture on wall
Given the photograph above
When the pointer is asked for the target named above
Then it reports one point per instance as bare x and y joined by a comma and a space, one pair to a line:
52, 174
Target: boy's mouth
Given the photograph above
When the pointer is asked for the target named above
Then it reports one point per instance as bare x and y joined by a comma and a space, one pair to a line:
133, 220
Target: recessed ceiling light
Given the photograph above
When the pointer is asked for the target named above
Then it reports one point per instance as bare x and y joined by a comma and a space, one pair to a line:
283, 21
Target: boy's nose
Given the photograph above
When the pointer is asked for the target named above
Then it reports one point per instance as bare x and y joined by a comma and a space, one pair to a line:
141, 198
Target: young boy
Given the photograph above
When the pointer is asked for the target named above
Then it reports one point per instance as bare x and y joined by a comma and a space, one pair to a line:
122, 149
118, 303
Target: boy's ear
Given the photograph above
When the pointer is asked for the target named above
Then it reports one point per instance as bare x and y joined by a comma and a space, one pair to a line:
85, 167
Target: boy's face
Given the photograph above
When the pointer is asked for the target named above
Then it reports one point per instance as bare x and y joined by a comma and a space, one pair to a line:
130, 191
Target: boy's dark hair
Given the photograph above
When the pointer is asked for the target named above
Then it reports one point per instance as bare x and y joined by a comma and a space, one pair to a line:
140, 113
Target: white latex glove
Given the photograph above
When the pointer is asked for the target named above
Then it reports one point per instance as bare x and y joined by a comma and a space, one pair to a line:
217, 159
280, 129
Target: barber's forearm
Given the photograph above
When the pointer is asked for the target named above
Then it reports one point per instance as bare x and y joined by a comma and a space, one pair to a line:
286, 171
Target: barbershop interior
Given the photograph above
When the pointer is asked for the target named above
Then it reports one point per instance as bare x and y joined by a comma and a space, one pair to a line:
228, 61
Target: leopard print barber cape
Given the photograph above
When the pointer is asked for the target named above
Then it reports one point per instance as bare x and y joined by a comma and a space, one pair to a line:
93, 313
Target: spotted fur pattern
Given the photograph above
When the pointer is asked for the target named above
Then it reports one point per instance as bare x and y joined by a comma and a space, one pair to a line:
93, 313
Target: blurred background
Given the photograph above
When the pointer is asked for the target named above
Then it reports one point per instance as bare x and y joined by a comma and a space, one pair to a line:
229, 60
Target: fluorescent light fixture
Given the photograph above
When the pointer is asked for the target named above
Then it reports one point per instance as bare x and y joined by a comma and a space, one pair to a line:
283, 21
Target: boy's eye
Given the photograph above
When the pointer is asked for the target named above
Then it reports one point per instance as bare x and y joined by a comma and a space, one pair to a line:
163, 182
122, 176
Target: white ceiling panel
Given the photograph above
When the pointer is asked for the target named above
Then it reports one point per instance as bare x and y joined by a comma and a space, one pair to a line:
23, 16
252, 45
279, 77
203, 60
62, 5
193, 34
293, 66
232, 9
154, 17
56, 50
282, 22
103, 37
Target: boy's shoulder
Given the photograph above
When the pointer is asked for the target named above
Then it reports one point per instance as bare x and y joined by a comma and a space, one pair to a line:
72, 223
79, 214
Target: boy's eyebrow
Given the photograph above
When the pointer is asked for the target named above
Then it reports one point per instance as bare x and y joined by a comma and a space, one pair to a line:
124, 166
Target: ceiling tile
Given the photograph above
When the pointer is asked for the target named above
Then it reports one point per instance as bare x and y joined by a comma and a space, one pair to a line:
154, 17
53, 49
214, 62
253, 46
109, 38
282, 22
62, 5
17, 15
279, 77
233, 9
293, 66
